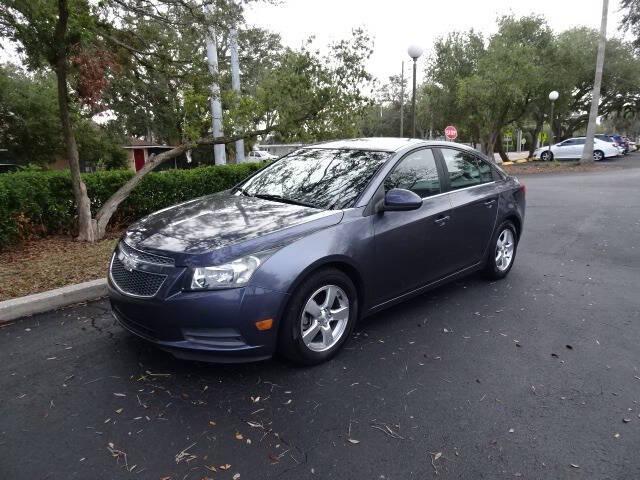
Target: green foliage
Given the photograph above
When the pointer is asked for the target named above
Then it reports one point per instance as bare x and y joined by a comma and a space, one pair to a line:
99, 147
29, 124
40, 202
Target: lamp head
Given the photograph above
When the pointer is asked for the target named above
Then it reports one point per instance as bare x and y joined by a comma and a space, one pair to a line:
414, 51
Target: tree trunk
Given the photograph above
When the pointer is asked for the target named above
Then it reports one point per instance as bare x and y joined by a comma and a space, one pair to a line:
86, 230
534, 136
500, 148
489, 144
587, 152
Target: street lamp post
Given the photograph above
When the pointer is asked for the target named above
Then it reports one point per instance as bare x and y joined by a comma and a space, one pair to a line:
414, 52
553, 96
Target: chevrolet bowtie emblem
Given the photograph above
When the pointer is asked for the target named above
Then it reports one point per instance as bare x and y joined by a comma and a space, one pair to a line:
129, 263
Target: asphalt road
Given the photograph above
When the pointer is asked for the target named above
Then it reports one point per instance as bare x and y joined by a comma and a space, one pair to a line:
534, 377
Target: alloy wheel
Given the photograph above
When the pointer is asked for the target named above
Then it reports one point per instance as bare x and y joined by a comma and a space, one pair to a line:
505, 248
324, 318
597, 155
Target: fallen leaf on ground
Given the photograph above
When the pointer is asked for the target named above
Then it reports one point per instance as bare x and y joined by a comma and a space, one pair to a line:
353, 440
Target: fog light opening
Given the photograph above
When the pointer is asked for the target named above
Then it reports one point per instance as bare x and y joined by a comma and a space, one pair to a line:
264, 324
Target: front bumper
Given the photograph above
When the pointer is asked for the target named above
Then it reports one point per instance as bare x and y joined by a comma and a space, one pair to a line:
216, 325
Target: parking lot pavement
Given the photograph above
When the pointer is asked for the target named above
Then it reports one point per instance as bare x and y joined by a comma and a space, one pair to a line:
537, 376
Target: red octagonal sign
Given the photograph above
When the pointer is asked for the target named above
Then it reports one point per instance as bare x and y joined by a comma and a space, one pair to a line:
451, 132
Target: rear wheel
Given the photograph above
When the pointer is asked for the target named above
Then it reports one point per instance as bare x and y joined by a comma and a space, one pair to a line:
319, 318
502, 251
598, 155
546, 156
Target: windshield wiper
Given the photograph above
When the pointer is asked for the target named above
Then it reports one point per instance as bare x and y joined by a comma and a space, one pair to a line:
242, 191
278, 198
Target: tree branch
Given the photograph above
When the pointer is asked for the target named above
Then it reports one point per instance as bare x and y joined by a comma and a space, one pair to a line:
107, 210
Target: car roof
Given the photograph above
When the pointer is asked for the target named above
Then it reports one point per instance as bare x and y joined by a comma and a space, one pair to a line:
381, 144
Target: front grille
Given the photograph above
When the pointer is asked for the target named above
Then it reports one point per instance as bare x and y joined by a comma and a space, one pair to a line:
135, 282
144, 256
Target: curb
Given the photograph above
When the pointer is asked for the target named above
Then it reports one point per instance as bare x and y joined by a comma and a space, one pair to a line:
51, 300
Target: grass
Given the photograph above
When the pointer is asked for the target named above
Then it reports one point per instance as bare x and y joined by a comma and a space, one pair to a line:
46, 263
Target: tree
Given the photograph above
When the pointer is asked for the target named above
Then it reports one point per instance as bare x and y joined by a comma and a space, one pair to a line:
455, 59
587, 152
303, 95
631, 19
29, 126
502, 88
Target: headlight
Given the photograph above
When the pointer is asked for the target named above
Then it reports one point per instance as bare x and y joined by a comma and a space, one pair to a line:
233, 274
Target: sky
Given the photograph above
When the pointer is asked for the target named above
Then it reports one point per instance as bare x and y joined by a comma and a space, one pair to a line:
399, 23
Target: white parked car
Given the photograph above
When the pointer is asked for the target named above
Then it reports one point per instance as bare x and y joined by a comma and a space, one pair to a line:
261, 156
572, 148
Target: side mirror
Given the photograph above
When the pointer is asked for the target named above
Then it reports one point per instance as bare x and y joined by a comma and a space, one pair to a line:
400, 200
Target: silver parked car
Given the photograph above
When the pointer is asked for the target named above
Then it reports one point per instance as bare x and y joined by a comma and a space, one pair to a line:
572, 148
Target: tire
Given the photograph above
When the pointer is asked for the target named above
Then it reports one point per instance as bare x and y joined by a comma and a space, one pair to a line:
308, 311
495, 269
546, 156
598, 155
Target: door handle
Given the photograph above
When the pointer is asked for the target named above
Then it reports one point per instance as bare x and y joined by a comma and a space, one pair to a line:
489, 203
442, 220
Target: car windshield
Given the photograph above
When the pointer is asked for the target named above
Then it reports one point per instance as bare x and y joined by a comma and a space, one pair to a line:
316, 177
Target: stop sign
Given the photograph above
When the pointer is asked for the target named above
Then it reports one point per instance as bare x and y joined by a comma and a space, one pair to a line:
451, 132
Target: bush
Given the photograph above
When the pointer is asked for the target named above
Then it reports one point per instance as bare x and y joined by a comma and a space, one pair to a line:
36, 203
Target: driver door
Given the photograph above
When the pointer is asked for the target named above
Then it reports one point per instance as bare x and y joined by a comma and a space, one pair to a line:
408, 244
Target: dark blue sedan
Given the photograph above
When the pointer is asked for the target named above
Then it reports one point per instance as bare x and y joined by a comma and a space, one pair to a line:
290, 259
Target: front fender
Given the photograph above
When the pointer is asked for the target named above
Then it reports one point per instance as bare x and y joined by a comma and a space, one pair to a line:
349, 243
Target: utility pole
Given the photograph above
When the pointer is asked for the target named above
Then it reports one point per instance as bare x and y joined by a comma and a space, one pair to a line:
587, 153
402, 101
235, 83
216, 106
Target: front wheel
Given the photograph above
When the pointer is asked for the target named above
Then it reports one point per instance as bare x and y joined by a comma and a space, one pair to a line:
598, 155
546, 156
319, 318
502, 251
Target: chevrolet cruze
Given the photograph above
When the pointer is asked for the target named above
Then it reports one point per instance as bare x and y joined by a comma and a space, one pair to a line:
288, 260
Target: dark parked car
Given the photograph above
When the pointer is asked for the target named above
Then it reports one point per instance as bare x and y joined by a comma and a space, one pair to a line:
9, 168
289, 259
617, 141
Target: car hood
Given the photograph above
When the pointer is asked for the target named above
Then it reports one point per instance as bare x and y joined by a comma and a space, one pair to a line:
225, 225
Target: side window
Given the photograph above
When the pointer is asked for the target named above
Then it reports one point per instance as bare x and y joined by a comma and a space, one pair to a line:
464, 169
486, 174
579, 141
567, 143
416, 172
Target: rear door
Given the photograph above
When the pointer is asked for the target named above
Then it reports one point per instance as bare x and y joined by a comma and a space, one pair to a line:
408, 244
473, 193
